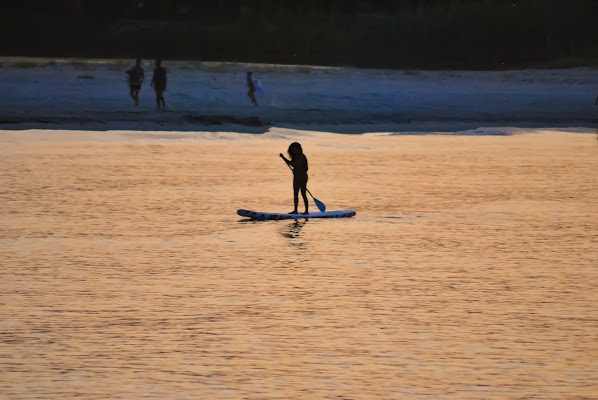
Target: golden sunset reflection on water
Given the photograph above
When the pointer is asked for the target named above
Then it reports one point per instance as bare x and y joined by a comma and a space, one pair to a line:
469, 271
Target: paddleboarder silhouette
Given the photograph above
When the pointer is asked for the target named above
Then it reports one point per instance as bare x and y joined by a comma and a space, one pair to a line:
298, 163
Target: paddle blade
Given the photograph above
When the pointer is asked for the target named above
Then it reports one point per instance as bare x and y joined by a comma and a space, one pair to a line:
321, 206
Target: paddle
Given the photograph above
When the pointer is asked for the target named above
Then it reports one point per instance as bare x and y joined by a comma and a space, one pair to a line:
321, 206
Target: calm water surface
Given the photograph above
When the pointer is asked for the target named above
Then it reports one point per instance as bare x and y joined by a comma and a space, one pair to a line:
470, 270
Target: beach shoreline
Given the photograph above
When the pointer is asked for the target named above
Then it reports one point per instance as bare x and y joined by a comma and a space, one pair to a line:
93, 95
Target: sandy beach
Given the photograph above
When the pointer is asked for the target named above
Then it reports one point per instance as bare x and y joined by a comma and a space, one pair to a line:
80, 94
469, 271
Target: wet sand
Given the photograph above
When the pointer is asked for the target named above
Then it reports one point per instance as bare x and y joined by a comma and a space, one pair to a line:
469, 271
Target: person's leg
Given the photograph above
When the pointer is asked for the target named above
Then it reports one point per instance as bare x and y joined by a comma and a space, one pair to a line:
303, 193
136, 92
296, 187
251, 95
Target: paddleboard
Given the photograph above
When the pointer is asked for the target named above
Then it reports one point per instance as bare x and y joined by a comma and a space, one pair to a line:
264, 216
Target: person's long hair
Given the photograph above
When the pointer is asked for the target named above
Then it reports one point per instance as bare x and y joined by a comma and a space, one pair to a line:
294, 150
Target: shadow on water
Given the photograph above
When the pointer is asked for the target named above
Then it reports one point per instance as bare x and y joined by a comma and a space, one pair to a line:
292, 231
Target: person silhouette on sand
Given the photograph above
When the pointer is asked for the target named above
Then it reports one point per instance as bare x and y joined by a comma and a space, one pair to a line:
298, 164
159, 83
135, 78
251, 86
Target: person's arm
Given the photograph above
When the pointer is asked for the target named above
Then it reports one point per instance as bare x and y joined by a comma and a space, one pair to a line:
285, 160
153, 79
596, 102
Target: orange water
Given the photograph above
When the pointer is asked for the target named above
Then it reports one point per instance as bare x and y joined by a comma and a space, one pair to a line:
470, 270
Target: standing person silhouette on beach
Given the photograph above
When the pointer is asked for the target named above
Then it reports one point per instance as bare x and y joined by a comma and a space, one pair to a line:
251, 86
135, 78
159, 83
298, 164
